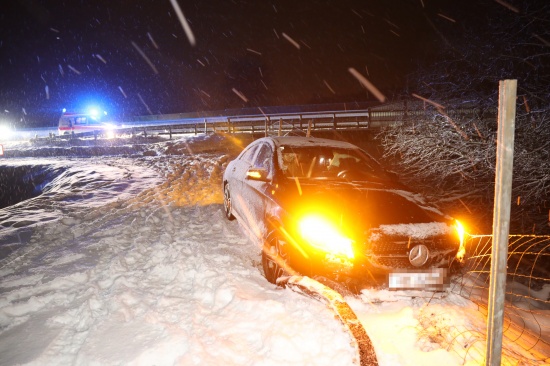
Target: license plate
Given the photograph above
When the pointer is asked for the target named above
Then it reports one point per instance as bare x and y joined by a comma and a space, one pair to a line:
434, 280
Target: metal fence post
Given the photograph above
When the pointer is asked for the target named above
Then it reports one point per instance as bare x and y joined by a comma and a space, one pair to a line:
369, 116
501, 219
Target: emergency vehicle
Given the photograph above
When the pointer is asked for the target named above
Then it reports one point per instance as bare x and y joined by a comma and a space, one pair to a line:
71, 122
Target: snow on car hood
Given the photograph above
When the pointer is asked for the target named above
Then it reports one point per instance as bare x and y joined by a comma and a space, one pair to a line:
417, 231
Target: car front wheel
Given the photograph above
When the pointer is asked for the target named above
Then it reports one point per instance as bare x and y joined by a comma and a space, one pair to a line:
274, 259
227, 205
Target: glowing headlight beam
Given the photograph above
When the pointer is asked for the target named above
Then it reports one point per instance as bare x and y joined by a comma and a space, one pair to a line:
461, 232
322, 234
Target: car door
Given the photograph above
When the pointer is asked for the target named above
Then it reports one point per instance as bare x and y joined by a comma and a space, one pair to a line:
255, 191
237, 175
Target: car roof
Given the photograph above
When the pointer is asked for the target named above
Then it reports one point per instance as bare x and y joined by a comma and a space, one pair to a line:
301, 141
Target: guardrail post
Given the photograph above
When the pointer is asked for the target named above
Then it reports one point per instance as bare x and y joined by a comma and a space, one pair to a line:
280, 126
228, 125
170, 132
205, 128
334, 125
368, 117
266, 124
195, 129
501, 219
300, 121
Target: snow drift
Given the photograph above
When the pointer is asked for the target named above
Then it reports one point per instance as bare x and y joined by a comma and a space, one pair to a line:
127, 259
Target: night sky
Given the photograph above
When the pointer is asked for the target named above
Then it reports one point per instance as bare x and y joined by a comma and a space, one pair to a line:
133, 57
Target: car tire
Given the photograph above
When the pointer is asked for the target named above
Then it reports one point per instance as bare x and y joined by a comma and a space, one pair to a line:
227, 204
274, 259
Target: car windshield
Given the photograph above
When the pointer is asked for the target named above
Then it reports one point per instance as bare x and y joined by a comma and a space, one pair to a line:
328, 163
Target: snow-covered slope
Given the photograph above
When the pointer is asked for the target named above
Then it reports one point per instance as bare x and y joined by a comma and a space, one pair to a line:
135, 264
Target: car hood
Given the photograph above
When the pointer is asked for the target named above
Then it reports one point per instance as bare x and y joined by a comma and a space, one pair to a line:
369, 206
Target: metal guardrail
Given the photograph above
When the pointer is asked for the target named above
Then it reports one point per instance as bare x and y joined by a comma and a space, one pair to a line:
370, 118
267, 124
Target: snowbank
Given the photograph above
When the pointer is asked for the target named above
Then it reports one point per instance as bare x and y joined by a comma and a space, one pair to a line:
135, 264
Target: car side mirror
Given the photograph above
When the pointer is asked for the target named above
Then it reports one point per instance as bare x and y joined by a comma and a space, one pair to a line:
257, 174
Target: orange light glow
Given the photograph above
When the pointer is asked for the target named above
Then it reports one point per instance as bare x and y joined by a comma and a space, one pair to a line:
461, 232
254, 174
322, 234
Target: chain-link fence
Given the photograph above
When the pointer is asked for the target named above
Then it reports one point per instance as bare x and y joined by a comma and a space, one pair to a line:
526, 328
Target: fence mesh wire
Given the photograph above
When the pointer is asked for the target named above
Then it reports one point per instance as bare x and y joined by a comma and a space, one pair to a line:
526, 331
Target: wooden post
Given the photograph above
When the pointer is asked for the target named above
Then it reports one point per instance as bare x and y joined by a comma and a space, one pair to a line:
501, 219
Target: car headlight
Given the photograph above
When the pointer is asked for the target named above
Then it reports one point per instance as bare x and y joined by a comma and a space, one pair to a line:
322, 234
461, 233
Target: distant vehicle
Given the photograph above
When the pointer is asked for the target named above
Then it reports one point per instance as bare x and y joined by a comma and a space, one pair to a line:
327, 209
70, 122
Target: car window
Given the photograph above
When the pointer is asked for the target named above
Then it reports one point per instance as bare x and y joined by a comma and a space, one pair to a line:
327, 162
249, 154
264, 158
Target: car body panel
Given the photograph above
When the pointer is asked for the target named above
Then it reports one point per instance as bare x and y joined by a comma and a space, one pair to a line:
391, 227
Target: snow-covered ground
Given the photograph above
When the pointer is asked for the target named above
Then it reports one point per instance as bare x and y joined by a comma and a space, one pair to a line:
126, 258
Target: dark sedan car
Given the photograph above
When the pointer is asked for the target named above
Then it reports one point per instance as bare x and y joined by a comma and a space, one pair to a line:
327, 209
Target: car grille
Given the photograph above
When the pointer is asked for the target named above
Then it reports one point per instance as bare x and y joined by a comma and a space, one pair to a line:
391, 253
388, 246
